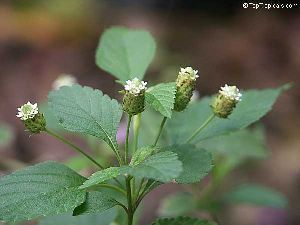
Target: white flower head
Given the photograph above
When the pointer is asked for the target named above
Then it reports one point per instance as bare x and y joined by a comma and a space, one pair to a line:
231, 92
189, 72
64, 80
135, 86
27, 111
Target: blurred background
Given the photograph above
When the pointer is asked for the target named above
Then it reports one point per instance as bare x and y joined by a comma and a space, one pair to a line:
41, 39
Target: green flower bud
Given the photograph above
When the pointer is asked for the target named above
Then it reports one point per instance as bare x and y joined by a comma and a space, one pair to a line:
134, 97
32, 119
226, 101
185, 86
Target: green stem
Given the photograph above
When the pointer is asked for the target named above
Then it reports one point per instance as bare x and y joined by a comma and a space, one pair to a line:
207, 121
136, 129
74, 147
130, 210
112, 187
127, 139
160, 130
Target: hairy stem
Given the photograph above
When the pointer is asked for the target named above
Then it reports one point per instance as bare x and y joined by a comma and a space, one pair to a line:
130, 209
196, 132
73, 147
160, 130
136, 129
127, 139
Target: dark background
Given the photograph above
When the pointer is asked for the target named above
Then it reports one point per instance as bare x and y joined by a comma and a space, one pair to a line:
251, 48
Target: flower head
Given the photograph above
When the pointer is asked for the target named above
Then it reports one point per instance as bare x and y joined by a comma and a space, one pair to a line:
188, 72
135, 86
231, 92
27, 111
64, 80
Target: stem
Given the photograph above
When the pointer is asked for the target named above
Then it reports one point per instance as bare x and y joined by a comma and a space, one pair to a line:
130, 210
136, 129
207, 121
73, 146
127, 139
160, 130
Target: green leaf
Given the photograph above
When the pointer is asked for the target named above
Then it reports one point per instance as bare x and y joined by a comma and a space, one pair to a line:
102, 176
140, 155
182, 221
104, 218
196, 162
178, 204
44, 189
95, 202
88, 111
239, 145
162, 97
257, 195
254, 105
163, 166
125, 53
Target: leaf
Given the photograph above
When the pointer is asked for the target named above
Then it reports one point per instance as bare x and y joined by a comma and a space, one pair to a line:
125, 53
95, 202
44, 189
182, 221
88, 111
163, 166
104, 218
101, 176
178, 204
162, 97
196, 162
52, 121
239, 145
257, 195
140, 155
254, 105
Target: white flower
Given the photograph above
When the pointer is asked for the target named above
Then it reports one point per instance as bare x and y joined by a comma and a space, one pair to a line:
64, 80
231, 92
189, 72
135, 86
27, 111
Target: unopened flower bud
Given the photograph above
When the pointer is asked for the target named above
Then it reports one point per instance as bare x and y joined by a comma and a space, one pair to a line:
134, 97
33, 120
185, 86
226, 101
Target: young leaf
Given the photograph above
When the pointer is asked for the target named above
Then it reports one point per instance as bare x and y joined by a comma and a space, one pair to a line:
254, 105
101, 176
257, 195
88, 111
162, 97
106, 218
196, 162
44, 189
182, 221
178, 204
96, 201
140, 155
163, 166
125, 53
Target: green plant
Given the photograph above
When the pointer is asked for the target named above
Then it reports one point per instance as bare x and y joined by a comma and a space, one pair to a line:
175, 153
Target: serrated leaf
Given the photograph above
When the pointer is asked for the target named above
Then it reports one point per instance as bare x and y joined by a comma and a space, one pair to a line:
104, 218
196, 162
257, 195
88, 111
254, 105
96, 202
125, 53
163, 166
239, 145
44, 189
140, 155
178, 204
101, 176
162, 97
182, 221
